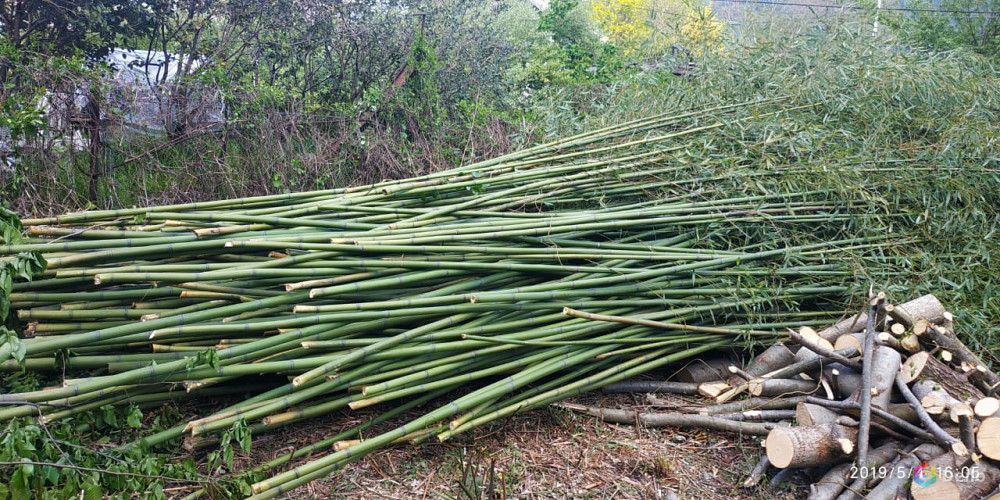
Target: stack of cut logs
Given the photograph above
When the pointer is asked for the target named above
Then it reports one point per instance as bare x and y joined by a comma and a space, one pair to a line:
877, 399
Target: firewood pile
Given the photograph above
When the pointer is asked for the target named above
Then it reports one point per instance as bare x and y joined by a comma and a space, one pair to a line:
885, 404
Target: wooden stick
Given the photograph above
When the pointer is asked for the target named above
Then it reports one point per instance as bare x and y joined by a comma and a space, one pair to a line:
758, 415
671, 419
758, 472
893, 486
652, 387
771, 387
864, 422
821, 349
877, 458
966, 427
889, 417
808, 365
752, 404
939, 434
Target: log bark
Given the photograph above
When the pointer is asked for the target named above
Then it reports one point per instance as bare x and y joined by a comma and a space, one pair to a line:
927, 307
982, 377
988, 437
809, 414
774, 357
809, 446
924, 366
769, 387
955, 480
845, 381
843, 327
885, 366
699, 371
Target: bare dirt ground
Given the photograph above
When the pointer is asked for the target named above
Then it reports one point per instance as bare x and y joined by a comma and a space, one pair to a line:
545, 454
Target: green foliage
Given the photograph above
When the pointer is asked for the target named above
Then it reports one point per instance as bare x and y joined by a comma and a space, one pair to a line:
567, 51
963, 28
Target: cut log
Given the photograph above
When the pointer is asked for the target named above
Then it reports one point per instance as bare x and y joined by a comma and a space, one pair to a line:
910, 343
809, 446
699, 371
845, 326
936, 401
897, 329
885, 366
987, 407
845, 381
924, 366
769, 387
851, 340
984, 379
774, 357
988, 437
927, 307
806, 354
953, 479
887, 339
809, 414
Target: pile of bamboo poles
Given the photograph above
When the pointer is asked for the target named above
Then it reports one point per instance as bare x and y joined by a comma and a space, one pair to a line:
521, 280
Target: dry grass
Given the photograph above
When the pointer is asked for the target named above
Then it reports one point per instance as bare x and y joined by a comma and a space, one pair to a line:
544, 454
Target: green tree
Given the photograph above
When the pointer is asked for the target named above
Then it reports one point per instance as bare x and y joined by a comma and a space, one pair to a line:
971, 24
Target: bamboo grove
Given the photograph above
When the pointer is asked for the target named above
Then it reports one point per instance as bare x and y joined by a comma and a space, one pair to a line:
453, 299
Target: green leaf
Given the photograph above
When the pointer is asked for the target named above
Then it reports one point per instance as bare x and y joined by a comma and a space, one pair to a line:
134, 417
92, 491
